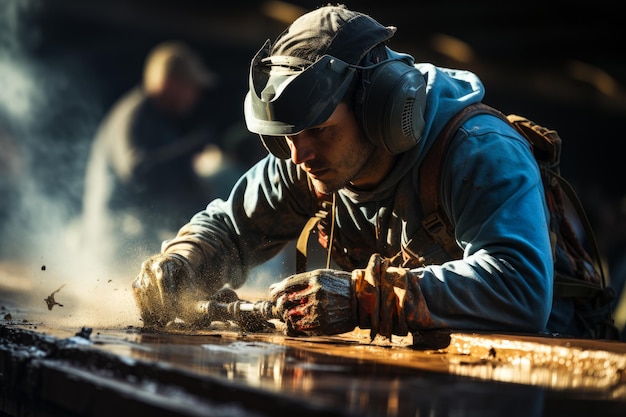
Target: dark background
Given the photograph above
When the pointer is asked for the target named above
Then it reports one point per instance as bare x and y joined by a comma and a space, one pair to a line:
64, 62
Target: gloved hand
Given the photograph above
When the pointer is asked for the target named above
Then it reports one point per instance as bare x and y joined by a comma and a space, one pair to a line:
381, 297
381, 291
158, 288
319, 302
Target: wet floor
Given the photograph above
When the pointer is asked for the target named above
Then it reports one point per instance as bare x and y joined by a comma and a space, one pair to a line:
49, 368
269, 374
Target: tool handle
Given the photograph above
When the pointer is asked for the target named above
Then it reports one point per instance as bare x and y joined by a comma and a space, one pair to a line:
248, 314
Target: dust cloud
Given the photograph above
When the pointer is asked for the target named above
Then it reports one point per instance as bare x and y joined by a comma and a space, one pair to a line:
47, 116
50, 106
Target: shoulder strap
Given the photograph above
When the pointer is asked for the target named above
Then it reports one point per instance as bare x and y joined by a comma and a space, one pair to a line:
324, 213
436, 221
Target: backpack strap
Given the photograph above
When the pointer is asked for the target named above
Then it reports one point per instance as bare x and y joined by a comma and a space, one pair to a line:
303, 243
436, 224
594, 258
324, 213
548, 153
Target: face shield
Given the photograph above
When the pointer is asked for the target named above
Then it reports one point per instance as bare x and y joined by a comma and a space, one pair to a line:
288, 95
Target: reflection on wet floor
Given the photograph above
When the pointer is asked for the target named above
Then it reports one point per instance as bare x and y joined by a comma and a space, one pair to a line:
269, 374
362, 387
47, 364
375, 380
553, 366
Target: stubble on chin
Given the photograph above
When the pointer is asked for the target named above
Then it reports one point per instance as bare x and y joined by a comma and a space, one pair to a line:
325, 188
360, 168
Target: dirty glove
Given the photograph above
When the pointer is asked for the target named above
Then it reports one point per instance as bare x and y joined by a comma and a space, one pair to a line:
389, 299
380, 292
319, 302
158, 288
383, 298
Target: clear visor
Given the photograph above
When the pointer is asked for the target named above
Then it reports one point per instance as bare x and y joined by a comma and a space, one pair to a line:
288, 95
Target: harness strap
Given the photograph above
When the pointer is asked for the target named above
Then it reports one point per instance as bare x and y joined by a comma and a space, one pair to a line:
435, 221
303, 242
326, 208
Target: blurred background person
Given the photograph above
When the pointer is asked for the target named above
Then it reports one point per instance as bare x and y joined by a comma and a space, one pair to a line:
140, 181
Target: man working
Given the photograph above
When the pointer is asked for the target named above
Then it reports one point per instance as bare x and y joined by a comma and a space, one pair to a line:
348, 120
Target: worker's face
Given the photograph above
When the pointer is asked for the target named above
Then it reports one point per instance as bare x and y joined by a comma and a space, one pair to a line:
335, 153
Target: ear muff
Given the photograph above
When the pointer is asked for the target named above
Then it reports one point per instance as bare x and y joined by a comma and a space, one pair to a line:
390, 105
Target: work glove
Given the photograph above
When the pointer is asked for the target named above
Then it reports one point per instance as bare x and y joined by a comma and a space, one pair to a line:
380, 291
381, 297
318, 302
158, 289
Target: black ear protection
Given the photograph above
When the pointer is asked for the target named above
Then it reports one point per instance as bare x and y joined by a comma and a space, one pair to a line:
389, 103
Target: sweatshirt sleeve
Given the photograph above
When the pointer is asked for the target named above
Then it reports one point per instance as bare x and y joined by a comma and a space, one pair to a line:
228, 238
493, 192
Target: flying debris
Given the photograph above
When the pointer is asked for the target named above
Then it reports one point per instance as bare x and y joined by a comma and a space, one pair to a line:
50, 299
